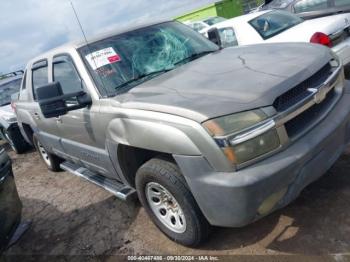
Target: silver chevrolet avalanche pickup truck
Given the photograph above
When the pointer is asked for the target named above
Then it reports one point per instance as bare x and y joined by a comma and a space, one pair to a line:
204, 136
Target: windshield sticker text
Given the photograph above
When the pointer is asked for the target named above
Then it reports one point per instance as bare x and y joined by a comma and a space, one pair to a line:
102, 57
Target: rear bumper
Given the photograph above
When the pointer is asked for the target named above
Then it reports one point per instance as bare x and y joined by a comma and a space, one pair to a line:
239, 198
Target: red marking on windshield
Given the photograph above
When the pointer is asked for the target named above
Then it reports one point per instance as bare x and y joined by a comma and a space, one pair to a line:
113, 59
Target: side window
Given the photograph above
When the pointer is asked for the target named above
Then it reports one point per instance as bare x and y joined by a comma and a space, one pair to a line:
228, 37
310, 5
339, 3
39, 76
65, 72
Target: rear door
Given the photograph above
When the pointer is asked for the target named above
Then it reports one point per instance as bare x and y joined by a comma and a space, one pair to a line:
47, 128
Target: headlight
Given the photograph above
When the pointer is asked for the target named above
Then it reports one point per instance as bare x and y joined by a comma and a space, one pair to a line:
244, 136
257, 146
233, 123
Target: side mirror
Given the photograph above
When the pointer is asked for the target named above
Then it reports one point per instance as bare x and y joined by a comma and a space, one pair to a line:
52, 101
214, 36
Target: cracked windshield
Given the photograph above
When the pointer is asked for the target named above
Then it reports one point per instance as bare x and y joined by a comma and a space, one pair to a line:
124, 60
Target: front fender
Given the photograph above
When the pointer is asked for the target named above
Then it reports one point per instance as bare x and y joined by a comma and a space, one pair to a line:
149, 135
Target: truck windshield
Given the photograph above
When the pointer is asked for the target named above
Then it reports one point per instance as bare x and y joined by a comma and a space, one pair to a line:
120, 62
7, 89
274, 22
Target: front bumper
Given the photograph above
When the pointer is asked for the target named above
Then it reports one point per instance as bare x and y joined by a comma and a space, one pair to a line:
235, 199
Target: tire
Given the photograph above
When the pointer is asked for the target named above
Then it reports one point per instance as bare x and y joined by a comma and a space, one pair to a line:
17, 142
187, 226
51, 161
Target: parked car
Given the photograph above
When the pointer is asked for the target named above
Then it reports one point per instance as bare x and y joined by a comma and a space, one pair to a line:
205, 23
9, 131
10, 203
203, 136
308, 9
279, 26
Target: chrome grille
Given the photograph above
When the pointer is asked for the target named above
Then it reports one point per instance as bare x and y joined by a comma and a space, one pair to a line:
308, 118
307, 112
300, 92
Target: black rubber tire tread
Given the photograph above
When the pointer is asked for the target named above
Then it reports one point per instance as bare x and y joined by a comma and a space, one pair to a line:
54, 160
19, 144
169, 176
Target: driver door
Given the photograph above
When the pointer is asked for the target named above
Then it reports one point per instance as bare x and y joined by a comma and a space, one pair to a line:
76, 127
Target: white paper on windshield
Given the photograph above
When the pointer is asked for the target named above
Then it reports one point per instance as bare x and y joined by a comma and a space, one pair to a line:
102, 57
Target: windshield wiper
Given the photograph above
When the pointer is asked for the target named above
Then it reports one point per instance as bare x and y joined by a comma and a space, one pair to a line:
142, 76
194, 57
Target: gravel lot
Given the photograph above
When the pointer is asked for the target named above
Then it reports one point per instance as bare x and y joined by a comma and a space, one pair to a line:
73, 217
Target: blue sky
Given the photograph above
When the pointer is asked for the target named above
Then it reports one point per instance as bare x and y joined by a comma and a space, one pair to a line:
29, 27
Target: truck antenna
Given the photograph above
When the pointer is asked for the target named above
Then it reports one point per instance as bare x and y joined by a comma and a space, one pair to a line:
83, 32
78, 20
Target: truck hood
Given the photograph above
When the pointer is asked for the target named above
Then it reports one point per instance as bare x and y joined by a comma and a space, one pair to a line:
228, 81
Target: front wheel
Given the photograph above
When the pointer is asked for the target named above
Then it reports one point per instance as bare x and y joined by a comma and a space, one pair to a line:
52, 161
164, 193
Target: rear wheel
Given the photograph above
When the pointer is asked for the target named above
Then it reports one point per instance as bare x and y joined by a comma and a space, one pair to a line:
163, 192
52, 161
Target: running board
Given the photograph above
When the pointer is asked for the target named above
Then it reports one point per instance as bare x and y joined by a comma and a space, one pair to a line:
120, 190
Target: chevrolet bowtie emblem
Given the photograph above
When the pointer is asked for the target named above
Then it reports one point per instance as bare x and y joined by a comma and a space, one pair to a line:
319, 94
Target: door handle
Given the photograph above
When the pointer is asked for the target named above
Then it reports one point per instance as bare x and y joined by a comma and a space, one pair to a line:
36, 116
